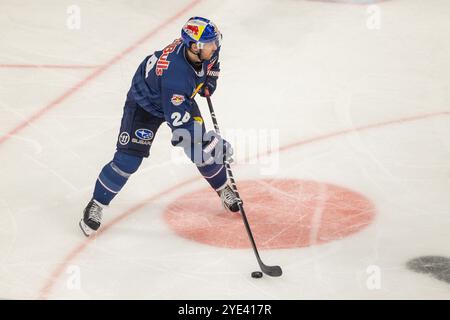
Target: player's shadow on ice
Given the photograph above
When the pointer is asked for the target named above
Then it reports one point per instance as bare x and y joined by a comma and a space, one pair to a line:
436, 266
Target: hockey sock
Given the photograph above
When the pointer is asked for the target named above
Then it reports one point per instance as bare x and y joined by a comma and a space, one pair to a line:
214, 174
114, 175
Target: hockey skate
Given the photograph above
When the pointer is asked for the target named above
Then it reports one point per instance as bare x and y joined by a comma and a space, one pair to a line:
92, 218
230, 200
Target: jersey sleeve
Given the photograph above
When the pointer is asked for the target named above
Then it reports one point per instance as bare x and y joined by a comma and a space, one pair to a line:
213, 71
214, 65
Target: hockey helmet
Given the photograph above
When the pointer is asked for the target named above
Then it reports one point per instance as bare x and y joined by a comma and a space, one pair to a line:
200, 31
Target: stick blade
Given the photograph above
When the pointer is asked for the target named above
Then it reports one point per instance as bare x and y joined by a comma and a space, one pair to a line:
273, 271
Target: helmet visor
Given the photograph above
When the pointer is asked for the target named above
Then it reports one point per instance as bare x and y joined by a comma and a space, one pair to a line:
217, 41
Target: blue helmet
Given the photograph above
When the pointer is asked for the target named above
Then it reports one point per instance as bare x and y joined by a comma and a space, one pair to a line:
200, 30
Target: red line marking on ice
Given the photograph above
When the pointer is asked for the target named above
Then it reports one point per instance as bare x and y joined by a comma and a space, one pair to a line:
362, 128
46, 289
95, 73
48, 66
80, 248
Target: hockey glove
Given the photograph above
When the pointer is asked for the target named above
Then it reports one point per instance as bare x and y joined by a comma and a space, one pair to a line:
210, 84
215, 149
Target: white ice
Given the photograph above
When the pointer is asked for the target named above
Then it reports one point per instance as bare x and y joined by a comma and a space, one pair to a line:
304, 68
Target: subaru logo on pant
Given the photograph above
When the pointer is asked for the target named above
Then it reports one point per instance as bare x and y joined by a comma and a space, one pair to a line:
144, 134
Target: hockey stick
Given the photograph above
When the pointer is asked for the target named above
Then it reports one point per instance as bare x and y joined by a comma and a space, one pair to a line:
273, 271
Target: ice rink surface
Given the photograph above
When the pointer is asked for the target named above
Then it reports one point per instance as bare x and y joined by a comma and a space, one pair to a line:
355, 97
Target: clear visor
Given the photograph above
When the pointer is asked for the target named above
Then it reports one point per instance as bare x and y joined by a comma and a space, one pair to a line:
217, 41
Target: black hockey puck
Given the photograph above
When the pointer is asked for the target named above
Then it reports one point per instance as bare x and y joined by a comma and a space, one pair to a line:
257, 274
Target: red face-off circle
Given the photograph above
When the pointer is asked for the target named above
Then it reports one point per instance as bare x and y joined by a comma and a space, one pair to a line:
281, 213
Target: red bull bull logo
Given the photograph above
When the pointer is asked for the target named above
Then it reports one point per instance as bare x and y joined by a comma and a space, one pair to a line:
192, 30
177, 99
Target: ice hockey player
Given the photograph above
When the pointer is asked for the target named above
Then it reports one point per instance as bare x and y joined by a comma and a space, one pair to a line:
163, 90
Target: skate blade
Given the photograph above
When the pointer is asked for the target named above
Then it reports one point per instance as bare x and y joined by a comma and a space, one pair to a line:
86, 229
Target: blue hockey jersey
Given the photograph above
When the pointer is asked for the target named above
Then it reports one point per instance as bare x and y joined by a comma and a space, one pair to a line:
165, 85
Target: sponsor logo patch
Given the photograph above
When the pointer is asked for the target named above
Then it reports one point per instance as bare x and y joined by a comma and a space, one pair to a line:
124, 138
144, 134
177, 99
162, 63
140, 141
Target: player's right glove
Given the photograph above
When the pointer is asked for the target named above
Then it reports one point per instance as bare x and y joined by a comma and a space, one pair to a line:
215, 149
